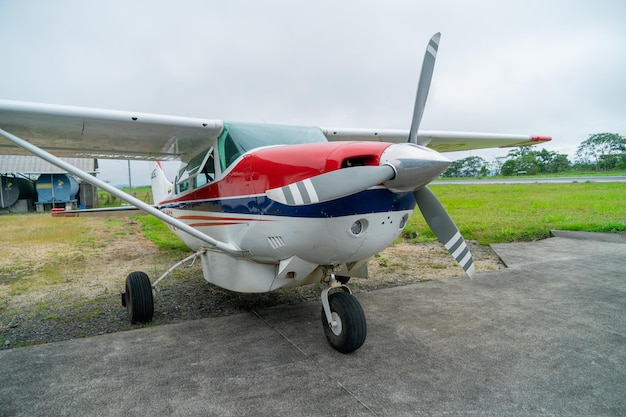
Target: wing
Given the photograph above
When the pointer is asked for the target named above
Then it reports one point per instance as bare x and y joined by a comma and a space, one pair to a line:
94, 133
440, 141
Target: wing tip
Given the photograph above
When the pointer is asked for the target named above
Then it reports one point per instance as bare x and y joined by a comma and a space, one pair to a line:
540, 138
534, 140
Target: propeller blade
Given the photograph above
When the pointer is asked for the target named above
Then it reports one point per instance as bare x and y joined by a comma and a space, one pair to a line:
331, 185
444, 228
428, 66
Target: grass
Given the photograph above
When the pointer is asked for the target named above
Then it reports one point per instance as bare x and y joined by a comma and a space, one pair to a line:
158, 233
517, 212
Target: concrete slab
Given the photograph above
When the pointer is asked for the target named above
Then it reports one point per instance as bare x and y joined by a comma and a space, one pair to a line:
604, 237
546, 336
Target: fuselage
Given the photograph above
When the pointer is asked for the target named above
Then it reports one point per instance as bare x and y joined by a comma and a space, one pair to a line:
338, 204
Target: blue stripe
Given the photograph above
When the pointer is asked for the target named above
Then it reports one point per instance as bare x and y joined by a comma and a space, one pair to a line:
369, 201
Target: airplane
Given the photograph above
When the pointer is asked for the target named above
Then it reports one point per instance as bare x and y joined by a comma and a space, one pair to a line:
267, 207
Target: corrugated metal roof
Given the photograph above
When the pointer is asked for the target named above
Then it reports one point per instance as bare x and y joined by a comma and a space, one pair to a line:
14, 164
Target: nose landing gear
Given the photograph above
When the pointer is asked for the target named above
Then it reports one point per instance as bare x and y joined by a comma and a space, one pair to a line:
342, 318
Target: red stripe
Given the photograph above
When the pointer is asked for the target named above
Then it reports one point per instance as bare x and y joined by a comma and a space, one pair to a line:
213, 224
209, 218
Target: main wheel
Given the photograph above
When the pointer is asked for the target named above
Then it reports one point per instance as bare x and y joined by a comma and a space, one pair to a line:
138, 297
349, 333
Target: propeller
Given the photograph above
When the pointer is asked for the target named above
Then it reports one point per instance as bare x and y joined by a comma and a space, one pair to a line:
406, 167
435, 215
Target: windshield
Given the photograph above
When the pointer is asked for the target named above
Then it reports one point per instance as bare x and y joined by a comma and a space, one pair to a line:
239, 138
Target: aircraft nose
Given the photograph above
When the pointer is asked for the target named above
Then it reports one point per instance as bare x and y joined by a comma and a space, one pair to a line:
414, 165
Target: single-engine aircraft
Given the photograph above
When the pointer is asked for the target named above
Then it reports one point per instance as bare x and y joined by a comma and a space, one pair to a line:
267, 206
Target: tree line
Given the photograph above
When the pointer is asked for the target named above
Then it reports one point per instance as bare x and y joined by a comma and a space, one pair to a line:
600, 152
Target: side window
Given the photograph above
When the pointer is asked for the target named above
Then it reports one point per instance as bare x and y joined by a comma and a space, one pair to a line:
200, 170
207, 174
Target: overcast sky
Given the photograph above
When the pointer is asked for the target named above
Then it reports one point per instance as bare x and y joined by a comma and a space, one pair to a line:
546, 67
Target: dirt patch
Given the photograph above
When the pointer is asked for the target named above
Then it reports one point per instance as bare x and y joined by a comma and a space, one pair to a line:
68, 286
79, 263
405, 263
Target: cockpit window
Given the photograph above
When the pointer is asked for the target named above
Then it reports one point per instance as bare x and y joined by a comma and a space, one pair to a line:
239, 138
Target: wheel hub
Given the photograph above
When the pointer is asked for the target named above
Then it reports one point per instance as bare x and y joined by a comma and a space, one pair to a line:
335, 325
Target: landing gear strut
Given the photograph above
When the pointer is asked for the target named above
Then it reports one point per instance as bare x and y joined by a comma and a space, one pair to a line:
342, 318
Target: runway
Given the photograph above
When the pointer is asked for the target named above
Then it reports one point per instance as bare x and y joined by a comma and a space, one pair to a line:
546, 336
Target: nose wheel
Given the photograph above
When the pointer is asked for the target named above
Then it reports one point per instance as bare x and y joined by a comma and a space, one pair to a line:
343, 319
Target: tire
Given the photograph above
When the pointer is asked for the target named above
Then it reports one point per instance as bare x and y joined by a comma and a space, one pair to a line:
352, 329
138, 297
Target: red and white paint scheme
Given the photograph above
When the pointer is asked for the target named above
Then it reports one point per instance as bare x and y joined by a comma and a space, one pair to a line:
267, 206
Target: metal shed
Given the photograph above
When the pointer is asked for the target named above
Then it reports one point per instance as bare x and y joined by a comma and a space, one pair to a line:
29, 168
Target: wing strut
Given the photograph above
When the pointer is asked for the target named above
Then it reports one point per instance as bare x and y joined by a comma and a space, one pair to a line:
224, 247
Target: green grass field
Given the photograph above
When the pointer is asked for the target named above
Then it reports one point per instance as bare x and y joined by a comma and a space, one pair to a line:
512, 212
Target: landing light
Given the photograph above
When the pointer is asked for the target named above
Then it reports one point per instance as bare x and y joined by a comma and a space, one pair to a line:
357, 228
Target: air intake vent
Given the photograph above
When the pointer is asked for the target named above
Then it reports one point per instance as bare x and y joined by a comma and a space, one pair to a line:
276, 242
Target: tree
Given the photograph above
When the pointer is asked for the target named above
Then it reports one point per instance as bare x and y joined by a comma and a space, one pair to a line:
602, 150
508, 168
519, 160
560, 163
530, 161
550, 161
472, 166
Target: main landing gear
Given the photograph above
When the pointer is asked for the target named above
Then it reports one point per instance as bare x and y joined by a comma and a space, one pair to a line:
342, 317
138, 297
